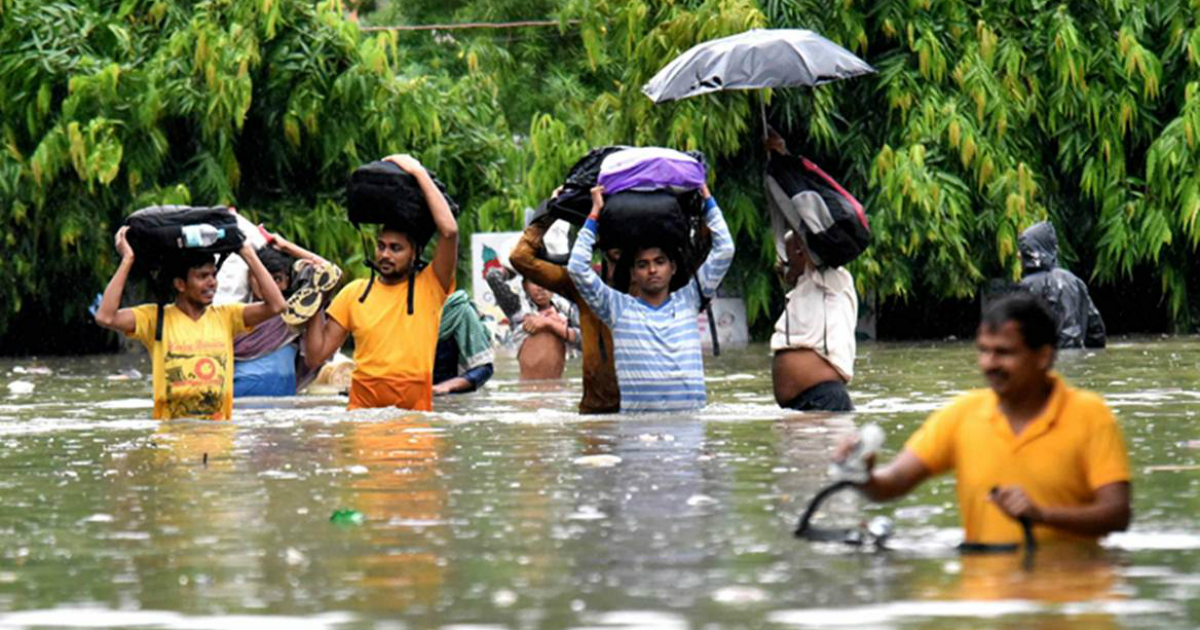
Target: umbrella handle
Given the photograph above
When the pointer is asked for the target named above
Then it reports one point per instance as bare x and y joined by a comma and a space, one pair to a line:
762, 110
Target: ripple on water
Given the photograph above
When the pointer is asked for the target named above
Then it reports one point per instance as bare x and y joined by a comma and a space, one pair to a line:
902, 611
102, 618
1144, 541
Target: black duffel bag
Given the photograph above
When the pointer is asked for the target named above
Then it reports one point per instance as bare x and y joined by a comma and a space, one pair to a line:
156, 234
383, 193
634, 220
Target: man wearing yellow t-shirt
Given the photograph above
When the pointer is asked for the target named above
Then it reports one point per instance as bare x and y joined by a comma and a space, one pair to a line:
393, 348
193, 361
1029, 448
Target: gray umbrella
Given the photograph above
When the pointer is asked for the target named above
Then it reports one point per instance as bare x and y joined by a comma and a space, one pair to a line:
753, 60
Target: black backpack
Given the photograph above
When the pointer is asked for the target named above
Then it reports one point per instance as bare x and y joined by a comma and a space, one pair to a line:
156, 233
382, 193
156, 236
834, 225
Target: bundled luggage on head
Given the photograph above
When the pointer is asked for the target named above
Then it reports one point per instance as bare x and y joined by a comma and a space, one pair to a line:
163, 235
622, 168
383, 193
811, 203
160, 234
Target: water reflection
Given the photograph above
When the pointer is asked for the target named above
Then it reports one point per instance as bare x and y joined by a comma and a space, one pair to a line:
396, 468
507, 509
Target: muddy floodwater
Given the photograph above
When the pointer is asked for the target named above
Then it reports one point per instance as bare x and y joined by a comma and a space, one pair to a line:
505, 509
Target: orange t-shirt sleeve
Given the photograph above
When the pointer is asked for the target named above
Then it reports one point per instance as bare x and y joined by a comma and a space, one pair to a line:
933, 443
339, 308
429, 285
1107, 458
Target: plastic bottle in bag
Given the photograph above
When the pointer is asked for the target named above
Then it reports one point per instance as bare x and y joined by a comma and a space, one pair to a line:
200, 235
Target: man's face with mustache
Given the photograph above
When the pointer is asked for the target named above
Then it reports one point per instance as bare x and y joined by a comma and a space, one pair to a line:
1009, 365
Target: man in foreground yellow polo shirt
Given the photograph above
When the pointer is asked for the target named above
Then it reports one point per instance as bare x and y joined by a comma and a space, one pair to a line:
393, 349
1029, 447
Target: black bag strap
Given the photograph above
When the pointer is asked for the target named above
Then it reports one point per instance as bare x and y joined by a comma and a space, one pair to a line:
158, 323
412, 279
366, 261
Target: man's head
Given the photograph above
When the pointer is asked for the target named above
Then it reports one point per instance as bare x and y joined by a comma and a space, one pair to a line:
539, 295
652, 270
1038, 246
1016, 342
395, 252
194, 277
278, 264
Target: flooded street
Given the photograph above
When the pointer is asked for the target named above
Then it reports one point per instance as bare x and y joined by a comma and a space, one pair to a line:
505, 509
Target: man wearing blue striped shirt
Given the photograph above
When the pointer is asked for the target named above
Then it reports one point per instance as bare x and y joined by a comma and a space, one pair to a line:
656, 336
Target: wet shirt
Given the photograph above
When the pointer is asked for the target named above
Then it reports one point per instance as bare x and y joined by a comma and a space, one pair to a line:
393, 351
193, 364
1060, 458
657, 349
821, 315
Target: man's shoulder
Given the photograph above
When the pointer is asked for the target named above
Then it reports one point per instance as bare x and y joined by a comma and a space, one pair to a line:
1087, 404
350, 288
973, 401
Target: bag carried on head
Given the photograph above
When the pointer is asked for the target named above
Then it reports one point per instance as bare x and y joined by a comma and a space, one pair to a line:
159, 233
811, 203
382, 193
622, 168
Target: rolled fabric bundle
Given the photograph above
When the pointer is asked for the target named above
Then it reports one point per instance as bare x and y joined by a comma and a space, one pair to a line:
630, 168
651, 168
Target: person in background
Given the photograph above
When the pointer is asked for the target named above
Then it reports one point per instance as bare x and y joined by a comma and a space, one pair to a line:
268, 361
464, 358
600, 391
542, 331
655, 335
393, 350
193, 361
1079, 322
813, 346
1030, 447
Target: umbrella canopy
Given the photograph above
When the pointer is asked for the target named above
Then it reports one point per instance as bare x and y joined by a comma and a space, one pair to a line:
761, 58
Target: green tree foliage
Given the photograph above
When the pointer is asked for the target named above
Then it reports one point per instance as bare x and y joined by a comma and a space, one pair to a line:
987, 117
263, 104
983, 118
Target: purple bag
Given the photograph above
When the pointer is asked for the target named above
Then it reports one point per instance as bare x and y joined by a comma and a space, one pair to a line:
650, 168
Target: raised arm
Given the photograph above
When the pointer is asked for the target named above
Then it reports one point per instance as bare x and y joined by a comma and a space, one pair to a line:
524, 259
110, 315
322, 337
720, 257
604, 300
273, 303
445, 256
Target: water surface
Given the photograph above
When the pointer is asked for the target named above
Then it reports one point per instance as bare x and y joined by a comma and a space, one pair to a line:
505, 509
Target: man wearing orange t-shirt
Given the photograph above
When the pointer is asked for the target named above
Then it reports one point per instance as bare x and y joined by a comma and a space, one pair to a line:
393, 348
1029, 448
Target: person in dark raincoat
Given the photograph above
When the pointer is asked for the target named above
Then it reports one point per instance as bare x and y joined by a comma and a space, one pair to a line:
1079, 323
